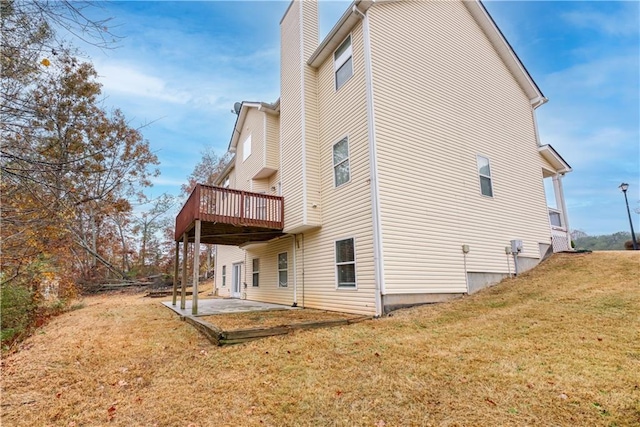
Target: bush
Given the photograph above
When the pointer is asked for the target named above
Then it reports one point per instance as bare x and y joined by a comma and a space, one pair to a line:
17, 308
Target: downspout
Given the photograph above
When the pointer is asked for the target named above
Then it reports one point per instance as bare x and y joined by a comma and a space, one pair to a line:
295, 273
375, 195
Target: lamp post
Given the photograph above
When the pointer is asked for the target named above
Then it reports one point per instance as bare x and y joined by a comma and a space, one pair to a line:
624, 186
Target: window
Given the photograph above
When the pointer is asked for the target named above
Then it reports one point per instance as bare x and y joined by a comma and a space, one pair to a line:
346, 263
283, 270
256, 272
341, 162
246, 148
484, 170
224, 276
225, 183
343, 63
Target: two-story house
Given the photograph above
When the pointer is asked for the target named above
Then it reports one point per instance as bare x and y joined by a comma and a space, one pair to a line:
398, 164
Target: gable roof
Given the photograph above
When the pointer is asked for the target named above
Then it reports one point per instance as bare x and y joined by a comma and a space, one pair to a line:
479, 14
265, 107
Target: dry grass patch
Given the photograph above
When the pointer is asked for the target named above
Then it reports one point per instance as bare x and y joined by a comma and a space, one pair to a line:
556, 346
272, 318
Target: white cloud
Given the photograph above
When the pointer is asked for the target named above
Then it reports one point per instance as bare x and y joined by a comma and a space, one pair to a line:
623, 22
127, 80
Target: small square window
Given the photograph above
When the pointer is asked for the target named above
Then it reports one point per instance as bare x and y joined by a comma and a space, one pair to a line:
283, 270
484, 172
346, 263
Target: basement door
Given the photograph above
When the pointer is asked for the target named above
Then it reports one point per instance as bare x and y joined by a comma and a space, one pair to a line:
236, 281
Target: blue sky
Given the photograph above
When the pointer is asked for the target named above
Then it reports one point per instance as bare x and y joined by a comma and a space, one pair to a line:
182, 65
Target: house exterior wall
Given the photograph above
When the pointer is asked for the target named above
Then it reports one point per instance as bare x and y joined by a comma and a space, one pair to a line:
254, 126
298, 117
227, 256
434, 113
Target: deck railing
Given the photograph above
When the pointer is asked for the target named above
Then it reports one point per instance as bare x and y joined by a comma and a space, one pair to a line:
224, 205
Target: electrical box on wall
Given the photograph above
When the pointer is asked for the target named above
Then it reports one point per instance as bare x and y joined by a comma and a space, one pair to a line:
516, 246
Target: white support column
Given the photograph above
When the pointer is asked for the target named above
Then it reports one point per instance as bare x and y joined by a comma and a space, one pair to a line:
561, 205
176, 269
196, 268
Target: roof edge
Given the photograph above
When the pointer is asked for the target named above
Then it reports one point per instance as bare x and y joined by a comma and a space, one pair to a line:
552, 156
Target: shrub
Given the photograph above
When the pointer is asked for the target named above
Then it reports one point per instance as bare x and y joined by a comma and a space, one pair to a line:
17, 308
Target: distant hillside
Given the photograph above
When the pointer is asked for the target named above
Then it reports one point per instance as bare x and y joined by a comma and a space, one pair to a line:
607, 242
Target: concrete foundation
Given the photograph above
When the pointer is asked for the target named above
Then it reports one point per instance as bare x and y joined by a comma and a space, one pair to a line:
479, 281
393, 302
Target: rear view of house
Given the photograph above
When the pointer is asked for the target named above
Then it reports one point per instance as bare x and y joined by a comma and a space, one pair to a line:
398, 165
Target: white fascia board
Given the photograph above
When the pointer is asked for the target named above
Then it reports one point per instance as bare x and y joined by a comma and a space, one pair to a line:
338, 33
555, 159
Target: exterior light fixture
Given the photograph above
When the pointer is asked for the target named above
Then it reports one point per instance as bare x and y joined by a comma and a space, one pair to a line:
624, 187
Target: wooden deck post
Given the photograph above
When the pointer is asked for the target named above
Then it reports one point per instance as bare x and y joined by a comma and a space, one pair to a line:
183, 295
196, 268
175, 274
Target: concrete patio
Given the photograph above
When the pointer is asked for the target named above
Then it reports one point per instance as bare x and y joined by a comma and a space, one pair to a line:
208, 307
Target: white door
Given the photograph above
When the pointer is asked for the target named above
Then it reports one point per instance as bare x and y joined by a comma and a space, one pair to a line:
236, 281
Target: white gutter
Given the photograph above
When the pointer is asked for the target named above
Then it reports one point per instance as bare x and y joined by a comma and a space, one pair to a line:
373, 167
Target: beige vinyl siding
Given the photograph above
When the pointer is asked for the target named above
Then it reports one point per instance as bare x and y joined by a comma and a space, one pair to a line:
272, 146
290, 129
346, 211
245, 170
269, 291
546, 164
435, 112
298, 118
227, 255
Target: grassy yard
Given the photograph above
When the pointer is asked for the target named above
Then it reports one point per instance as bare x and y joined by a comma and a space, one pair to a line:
556, 346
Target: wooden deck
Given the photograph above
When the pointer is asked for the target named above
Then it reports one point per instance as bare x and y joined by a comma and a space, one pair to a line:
230, 217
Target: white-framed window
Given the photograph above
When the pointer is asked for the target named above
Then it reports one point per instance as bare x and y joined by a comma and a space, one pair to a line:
224, 276
346, 263
256, 272
283, 270
246, 148
341, 172
226, 182
484, 172
343, 63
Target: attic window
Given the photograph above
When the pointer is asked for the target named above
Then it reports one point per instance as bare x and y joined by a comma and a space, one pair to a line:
246, 148
343, 63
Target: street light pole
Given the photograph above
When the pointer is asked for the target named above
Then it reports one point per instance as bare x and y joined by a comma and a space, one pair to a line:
624, 186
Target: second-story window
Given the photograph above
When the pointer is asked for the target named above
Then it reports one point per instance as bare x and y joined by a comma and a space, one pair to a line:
246, 148
343, 63
341, 172
225, 183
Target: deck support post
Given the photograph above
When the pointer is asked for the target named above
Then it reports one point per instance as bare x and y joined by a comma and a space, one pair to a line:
183, 295
196, 268
176, 267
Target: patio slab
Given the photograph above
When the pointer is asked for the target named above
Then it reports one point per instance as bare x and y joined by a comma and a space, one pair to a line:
208, 307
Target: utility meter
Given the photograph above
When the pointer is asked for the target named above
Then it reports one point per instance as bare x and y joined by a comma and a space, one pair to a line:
516, 246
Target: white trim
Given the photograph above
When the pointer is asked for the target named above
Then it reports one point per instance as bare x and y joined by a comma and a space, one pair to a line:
236, 277
354, 262
378, 257
295, 273
264, 139
348, 159
303, 129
